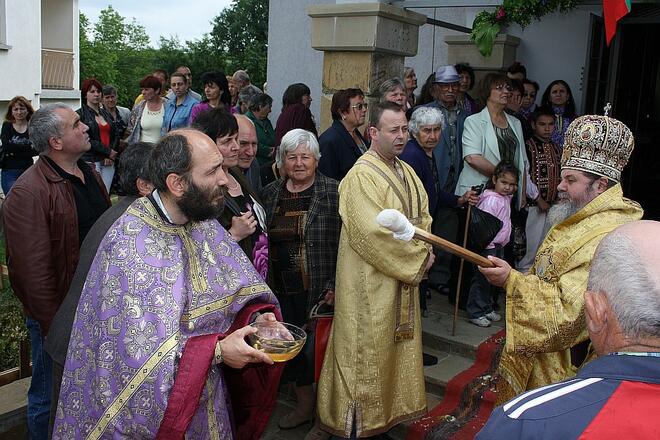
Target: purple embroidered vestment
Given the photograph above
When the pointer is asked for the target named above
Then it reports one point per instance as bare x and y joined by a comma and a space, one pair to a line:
152, 285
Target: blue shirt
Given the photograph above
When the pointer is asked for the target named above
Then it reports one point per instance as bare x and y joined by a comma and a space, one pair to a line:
176, 116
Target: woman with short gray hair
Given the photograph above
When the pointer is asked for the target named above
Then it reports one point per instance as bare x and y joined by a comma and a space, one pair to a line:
302, 212
294, 139
423, 116
426, 126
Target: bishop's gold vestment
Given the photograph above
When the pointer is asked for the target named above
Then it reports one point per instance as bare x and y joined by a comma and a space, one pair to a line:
545, 308
373, 374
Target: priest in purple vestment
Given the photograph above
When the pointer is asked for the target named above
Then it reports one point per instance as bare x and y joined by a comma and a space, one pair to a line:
157, 348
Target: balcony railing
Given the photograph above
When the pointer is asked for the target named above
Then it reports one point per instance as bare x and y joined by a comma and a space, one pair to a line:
56, 69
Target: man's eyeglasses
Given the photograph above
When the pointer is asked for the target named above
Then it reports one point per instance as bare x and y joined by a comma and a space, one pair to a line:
447, 86
361, 106
501, 87
530, 95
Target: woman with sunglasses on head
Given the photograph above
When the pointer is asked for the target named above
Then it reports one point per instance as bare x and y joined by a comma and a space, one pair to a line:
342, 144
492, 136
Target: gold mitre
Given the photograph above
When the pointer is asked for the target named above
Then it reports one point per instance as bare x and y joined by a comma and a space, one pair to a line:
597, 144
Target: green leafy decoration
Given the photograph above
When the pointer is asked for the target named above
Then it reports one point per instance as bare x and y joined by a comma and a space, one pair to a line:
487, 25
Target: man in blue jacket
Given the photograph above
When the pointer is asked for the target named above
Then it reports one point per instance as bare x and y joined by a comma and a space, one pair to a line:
616, 396
449, 161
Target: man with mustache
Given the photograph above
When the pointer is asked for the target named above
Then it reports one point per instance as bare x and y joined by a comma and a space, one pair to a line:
448, 156
165, 307
546, 336
47, 215
372, 376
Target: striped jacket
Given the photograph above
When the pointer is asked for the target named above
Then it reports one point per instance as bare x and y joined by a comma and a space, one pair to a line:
613, 397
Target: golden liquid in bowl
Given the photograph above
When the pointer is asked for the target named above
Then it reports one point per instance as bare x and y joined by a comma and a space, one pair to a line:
279, 350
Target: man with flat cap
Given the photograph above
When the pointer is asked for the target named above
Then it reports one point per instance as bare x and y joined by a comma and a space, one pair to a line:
448, 156
546, 335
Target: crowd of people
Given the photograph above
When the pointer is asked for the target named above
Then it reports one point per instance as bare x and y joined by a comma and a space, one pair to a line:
138, 308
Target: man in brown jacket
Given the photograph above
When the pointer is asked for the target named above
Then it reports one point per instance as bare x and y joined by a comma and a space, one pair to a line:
46, 216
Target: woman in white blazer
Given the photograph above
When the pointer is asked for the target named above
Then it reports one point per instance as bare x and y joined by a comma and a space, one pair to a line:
481, 149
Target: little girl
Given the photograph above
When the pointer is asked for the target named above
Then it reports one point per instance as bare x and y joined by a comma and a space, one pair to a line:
495, 200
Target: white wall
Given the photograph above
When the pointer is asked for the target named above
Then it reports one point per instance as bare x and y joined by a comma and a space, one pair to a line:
21, 64
556, 48
553, 48
291, 58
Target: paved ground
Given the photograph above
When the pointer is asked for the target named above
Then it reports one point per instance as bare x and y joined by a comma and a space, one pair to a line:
438, 322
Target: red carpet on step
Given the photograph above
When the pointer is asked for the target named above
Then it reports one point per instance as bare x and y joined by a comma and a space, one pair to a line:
468, 399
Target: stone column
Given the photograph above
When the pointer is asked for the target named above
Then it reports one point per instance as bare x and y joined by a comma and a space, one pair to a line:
463, 50
363, 44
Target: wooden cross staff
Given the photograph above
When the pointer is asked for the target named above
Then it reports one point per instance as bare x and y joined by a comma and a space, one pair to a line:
403, 230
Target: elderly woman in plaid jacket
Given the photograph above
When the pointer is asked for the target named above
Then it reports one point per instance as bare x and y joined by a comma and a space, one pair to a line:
302, 214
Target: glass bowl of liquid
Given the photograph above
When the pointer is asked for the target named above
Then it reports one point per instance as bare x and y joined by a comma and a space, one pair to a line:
279, 340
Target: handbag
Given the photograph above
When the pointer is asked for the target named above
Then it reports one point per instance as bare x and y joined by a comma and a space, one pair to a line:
484, 226
321, 315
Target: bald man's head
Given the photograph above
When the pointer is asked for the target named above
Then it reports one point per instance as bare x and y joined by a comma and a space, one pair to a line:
625, 270
645, 235
247, 141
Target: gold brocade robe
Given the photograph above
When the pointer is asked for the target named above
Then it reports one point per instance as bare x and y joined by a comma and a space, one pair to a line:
545, 308
372, 374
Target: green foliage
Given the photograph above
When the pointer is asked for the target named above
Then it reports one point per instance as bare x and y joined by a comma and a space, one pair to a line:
115, 53
487, 25
241, 33
118, 52
12, 322
484, 33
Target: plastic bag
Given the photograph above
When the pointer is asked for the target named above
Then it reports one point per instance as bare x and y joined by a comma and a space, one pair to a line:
483, 229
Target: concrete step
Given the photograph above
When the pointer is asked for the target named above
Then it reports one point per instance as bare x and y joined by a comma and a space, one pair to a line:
13, 410
437, 329
437, 376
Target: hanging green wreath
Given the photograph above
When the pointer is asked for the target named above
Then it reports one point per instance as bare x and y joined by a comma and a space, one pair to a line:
487, 25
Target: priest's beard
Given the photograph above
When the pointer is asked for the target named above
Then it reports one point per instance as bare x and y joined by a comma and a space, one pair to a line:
199, 204
568, 207
560, 212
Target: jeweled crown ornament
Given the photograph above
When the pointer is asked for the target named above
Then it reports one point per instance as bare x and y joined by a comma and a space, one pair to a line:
598, 144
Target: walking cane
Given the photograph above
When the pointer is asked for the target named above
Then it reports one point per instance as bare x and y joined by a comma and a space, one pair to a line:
460, 271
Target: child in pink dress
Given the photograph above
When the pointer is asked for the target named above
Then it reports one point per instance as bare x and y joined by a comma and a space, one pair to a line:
495, 200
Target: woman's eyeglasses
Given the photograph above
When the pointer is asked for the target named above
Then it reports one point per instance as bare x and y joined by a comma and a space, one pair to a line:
361, 106
506, 87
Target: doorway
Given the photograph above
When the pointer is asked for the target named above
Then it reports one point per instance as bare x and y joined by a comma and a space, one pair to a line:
627, 74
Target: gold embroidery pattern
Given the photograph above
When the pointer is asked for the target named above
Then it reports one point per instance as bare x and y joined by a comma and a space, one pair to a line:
405, 304
210, 412
222, 303
133, 385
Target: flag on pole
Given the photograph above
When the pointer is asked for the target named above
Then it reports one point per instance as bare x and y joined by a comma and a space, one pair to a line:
613, 11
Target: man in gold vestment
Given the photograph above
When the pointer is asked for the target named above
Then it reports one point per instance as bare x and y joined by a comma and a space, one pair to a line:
546, 335
372, 376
